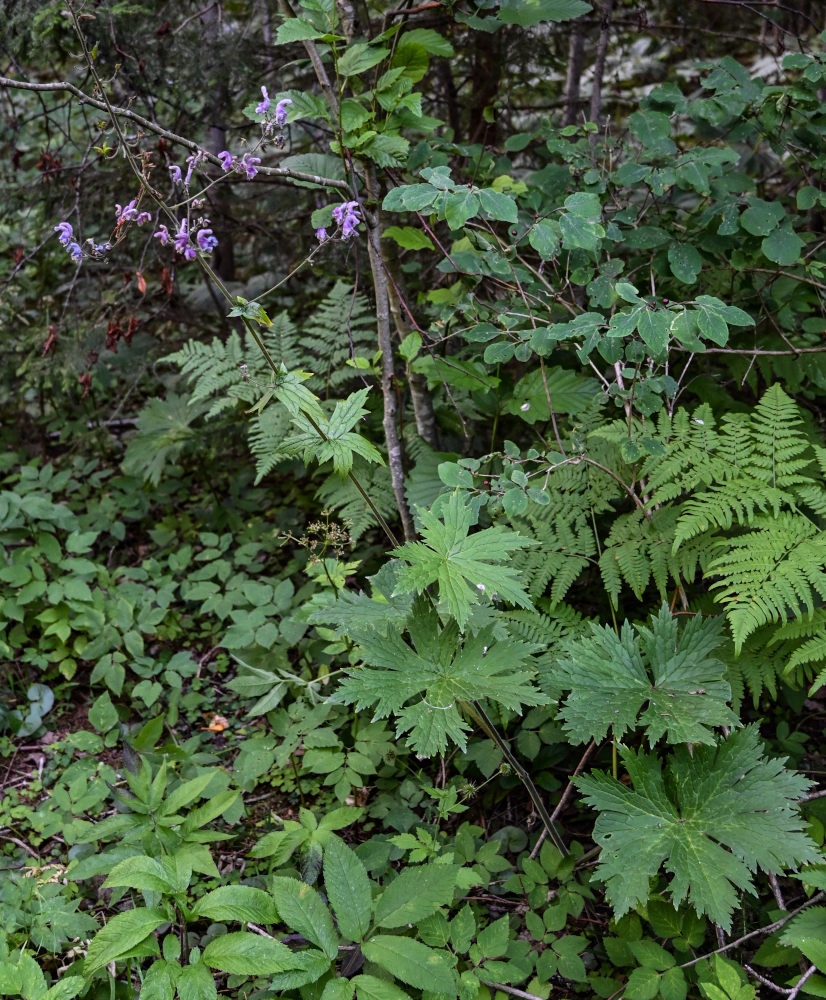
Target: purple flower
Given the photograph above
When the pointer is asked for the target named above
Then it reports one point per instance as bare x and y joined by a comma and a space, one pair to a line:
281, 111
163, 235
226, 159
181, 241
205, 240
321, 234
347, 216
75, 252
175, 174
191, 160
190, 253
64, 229
143, 217
264, 106
126, 214
249, 164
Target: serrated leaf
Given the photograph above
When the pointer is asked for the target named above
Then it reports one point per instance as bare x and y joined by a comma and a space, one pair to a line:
807, 931
670, 673
195, 982
348, 889
373, 988
293, 29
360, 56
723, 812
302, 910
237, 902
412, 962
408, 238
415, 894
247, 954
465, 567
139, 873
120, 935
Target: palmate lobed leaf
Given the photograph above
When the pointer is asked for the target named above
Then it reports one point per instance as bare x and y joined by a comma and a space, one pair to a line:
465, 567
710, 821
439, 671
659, 677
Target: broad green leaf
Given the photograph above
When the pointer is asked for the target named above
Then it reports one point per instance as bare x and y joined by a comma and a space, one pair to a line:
807, 931
685, 262
120, 935
497, 205
663, 678
527, 13
302, 910
139, 873
412, 962
249, 954
159, 980
783, 246
460, 206
373, 988
195, 982
722, 812
577, 231
187, 792
408, 238
293, 29
762, 217
423, 684
360, 56
237, 902
64, 989
654, 326
466, 567
348, 889
431, 41
544, 238
653, 130
415, 894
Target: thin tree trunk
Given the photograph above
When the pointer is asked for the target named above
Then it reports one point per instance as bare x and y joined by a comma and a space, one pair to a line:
576, 47
599, 62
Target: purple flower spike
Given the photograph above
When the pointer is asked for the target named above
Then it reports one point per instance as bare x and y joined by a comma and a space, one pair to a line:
181, 241
281, 111
163, 235
190, 253
75, 252
226, 159
64, 229
205, 240
249, 164
321, 234
175, 174
128, 213
143, 217
264, 106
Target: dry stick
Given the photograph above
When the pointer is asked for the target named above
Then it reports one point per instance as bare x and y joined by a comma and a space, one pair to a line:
152, 126
769, 929
563, 798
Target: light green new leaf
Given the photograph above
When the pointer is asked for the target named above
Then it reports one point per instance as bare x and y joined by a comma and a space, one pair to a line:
721, 813
120, 935
412, 962
464, 566
237, 902
303, 911
415, 894
671, 674
249, 955
340, 442
439, 671
348, 889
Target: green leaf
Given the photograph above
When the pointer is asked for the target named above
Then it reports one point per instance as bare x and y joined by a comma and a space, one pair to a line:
460, 207
437, 673
544, 238
373, 988
237, 902
302, 910
431, 41
685, 262
497, 205
360, 56
293, 29
412, 962
807, 931
120, 935
762, 217
195, 982
415, 894
408, 238
187, 792
671, 673
139, 873
348, 889
465, 567
722, 812
527, 13
653, 129
783, 246
102, 713
249, 955
654, 326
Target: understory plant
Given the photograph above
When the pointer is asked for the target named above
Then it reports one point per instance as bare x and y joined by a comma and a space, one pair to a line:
557, 457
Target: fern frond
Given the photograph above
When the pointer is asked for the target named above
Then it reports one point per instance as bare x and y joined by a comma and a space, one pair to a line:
737, 501
770, 573
751, 670
267, 439
780, 444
